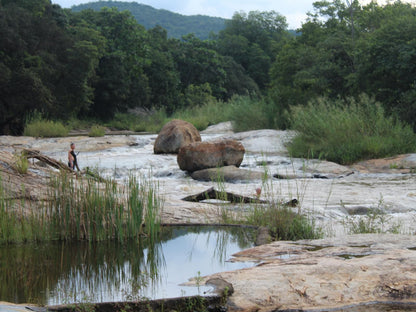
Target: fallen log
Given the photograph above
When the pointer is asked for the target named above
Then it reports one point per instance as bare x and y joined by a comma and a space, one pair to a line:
30, 153
211, 193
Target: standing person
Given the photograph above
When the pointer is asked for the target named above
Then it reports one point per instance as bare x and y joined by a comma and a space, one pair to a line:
72, 158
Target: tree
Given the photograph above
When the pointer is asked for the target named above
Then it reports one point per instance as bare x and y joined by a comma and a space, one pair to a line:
252, 40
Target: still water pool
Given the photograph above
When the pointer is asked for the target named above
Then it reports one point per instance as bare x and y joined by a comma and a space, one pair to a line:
61, 273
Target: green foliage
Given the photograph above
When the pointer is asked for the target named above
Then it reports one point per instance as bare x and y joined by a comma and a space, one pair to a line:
345, 51
348, 131
250, 113
252, 40
45, 129
96, 131
97, 64
202, 116
149, 121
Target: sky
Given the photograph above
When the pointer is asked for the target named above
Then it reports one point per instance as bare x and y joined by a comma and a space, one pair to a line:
294, 10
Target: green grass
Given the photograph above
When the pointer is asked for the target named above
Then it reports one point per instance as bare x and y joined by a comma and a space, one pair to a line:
45, 129
245, 112
83, 209
283, 221
96, 131
249, 113
348, 131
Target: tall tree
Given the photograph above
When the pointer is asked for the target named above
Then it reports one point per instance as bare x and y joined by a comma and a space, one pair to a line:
252, 40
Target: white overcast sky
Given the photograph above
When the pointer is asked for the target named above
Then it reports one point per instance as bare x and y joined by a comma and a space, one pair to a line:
294, 10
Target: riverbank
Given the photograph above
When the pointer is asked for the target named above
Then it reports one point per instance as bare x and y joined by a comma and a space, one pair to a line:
379, 194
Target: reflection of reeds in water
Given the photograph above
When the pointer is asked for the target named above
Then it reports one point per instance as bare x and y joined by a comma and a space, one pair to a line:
83, 209
74, 272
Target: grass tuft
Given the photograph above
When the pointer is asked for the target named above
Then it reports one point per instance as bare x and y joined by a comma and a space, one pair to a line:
20, 163
348, 131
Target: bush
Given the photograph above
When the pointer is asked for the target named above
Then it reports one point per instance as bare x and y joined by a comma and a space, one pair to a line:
348, 131
97, 131
45, 129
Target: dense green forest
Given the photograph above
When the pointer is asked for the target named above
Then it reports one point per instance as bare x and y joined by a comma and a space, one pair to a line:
176, 25
94, 64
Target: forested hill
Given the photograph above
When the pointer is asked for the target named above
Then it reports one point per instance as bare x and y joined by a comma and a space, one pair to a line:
176, 24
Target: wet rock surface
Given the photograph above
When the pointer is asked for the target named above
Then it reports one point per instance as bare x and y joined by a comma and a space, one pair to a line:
324, 274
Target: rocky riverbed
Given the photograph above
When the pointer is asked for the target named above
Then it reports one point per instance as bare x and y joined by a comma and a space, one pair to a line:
336, 271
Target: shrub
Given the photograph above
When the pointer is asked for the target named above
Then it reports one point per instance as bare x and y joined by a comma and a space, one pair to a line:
45, 129
97, 131
348, 131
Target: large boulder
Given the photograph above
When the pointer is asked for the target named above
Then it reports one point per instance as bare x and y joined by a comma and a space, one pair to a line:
174, 135
204, 155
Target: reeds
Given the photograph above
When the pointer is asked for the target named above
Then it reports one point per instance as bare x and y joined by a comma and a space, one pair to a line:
83, 209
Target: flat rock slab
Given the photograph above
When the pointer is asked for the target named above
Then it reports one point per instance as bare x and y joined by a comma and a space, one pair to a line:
402, 163
264, 141
325, 274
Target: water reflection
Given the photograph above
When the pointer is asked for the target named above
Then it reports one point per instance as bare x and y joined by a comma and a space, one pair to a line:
57, 273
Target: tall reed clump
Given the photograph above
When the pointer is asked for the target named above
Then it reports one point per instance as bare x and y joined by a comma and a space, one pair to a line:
15, 225
348, 131
84, 209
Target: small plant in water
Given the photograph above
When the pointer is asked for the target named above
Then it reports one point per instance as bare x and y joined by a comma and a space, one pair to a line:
198, 280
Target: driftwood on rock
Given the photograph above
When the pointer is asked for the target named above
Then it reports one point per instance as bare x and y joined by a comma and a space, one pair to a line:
30, 153
211, 193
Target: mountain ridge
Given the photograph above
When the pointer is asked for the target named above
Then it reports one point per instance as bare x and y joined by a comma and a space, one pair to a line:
176, 24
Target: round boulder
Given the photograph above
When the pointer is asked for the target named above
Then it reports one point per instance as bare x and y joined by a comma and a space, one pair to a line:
174, 135
203, 155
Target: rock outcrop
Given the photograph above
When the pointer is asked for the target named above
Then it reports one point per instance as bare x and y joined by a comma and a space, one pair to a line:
174, 135
204, 155
324, 274
230, 174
